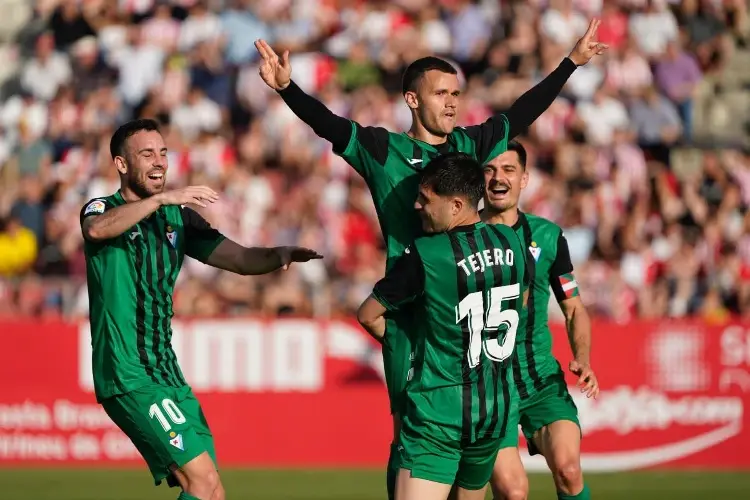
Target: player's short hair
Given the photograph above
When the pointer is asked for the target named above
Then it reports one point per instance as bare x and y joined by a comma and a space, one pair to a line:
418, 68
128, 129
455, 174
518, 148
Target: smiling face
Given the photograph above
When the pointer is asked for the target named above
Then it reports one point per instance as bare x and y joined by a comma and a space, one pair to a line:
435, 101
504, 177
144, 165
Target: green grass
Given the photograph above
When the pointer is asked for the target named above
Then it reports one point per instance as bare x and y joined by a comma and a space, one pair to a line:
132, 484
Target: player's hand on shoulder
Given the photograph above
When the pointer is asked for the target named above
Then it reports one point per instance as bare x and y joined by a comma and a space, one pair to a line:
587, 380
296, 254
275, 71
587, 47
198, 195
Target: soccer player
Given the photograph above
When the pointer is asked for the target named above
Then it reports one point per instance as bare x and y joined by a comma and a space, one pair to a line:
548, 415
135, 243
464, 285
390, 162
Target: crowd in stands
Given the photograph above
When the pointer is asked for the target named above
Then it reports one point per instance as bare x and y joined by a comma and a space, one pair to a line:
653, 231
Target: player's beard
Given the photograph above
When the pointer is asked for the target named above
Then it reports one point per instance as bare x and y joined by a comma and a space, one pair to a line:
138, 184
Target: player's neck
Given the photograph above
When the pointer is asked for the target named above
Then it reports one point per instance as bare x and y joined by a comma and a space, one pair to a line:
129, 195
420, 133
507, 218
466, 220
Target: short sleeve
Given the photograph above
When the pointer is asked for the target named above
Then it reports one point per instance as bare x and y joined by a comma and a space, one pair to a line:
200, 238
367, 151
404, 283
96, 206
490, 138
561, 278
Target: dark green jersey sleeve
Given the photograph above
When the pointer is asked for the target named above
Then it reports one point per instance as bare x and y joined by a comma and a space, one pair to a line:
404, 283
490, 138
200, 238
97, 206
561, 278
367, 151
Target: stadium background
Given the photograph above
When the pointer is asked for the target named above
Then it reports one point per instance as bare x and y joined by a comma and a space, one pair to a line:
643, 160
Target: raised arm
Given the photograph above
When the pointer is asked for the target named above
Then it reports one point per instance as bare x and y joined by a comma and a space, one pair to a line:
100, 222
536, 100
207, 245
276, 73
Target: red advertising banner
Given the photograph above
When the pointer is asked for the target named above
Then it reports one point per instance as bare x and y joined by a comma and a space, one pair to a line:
310, 393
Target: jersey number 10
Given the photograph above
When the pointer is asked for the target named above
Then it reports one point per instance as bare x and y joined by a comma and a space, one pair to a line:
490, 316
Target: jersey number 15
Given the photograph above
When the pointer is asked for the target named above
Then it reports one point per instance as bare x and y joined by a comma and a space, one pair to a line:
490, 316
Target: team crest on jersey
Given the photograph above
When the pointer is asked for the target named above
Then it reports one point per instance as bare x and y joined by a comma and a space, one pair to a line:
172, 236
535, 251
176, 441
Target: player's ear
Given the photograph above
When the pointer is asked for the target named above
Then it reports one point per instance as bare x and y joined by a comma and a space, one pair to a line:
457, 206
524, 179
121, 164
411, 99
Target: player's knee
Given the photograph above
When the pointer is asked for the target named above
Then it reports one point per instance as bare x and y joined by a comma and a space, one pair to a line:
510, 487
568, 475
204, 485
219, 493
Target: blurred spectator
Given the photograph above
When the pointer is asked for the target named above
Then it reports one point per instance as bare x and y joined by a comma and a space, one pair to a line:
655, 228
678, 75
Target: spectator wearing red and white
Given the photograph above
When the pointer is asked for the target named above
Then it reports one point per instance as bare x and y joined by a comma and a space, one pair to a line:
553, 125
162, 30
628, 71
613, 29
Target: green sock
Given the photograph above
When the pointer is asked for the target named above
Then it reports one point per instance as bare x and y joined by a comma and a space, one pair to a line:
585, 494
392, 472
187, 496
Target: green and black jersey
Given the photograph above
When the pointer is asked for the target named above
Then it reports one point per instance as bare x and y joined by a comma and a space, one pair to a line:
464, 289
551, 268
131, 280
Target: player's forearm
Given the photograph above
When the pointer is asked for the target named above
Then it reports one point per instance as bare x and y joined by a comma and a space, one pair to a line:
537, 99
259, 260
116, 221
578, 325
323, 121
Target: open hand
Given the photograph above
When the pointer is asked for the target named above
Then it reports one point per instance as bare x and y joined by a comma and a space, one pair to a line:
277, 73
586, 378
198, 195
587, 47
296, 254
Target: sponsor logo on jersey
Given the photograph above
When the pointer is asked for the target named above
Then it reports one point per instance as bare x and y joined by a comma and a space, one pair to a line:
95, 207
176, 441
134, 235
535, 251
414, 161
172, 236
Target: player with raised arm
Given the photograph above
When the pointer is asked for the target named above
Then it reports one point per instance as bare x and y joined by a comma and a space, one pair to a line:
547, 413
464, 283
135, 242
390, 162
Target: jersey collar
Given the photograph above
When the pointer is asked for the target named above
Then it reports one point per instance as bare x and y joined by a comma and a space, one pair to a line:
468, 228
